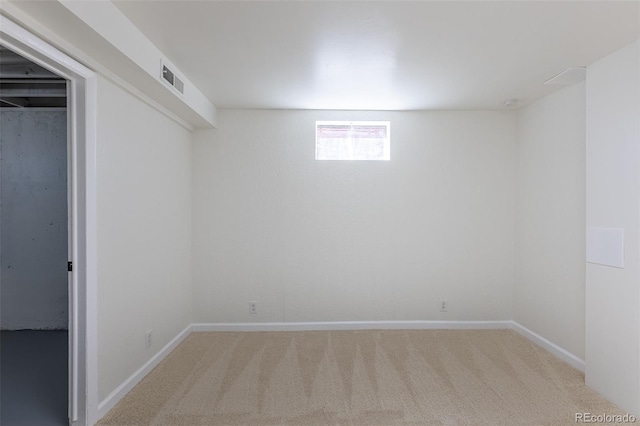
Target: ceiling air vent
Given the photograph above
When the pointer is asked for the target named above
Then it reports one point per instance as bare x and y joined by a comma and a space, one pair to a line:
172, 79
568, 77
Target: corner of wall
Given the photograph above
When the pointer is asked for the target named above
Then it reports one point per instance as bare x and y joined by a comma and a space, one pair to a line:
548, 283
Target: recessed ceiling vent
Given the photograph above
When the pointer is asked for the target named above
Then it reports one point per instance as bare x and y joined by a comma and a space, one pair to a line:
172, 79
568, 77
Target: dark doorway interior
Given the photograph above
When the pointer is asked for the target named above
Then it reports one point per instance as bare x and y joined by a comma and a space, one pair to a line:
33, 365
34, 298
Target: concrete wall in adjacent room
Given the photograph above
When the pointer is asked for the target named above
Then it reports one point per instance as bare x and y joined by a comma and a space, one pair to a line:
33, 212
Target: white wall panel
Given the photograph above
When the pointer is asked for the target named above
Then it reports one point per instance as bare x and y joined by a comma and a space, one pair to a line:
144, 233
349, 241
550, 220
613, 201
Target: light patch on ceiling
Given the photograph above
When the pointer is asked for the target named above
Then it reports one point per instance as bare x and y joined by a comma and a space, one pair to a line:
356, 75
381, 55
354, 80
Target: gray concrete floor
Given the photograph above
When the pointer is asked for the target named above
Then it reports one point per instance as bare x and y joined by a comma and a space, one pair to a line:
33, 378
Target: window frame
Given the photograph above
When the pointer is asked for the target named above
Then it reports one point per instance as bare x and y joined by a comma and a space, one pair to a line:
386, 156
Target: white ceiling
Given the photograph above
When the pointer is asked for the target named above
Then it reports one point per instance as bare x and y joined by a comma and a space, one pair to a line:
392, 55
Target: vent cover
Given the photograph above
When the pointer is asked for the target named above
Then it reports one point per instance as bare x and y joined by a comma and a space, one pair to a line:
568, 77
172, 79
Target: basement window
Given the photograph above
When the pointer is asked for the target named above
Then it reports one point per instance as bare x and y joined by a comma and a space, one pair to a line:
353, 140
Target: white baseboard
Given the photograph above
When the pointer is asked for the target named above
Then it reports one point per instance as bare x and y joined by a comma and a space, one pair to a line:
114, 397
352, 325
563, 354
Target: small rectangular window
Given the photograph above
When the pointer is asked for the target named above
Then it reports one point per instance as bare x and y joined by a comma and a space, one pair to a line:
353, 140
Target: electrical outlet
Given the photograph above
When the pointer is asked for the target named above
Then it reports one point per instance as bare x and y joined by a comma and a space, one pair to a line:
148, 338
444, 305
253, 307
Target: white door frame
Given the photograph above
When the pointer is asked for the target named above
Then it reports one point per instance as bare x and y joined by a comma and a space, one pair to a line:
81, 112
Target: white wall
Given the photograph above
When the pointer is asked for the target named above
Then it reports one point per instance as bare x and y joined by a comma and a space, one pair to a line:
33, 256
613, 201
337, 241
144, 233
550, 220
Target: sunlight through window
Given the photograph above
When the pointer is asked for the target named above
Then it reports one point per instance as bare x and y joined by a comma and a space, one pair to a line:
353, 140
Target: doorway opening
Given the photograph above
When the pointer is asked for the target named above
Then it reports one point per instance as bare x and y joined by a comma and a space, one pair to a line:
34, 244
81, 107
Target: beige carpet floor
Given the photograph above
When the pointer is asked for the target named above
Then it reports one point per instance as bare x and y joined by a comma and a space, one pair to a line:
377, 377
